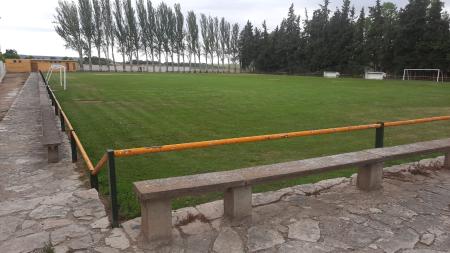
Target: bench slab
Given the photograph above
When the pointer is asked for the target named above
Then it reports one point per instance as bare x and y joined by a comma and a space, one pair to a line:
51, 136
218, 181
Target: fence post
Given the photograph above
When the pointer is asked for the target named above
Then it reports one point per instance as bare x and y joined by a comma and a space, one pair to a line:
113, 189
94, 181
73, 147
379, 136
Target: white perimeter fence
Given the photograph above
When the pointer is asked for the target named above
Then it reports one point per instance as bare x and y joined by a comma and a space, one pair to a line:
162, 68
2, 71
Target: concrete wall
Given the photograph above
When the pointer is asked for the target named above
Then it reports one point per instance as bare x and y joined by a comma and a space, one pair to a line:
30, 65
134, 68
44, 65
18, 65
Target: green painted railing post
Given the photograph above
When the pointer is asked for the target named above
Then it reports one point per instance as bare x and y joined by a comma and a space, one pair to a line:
379, 136
63, 123
73, 147
113, 189
94, 181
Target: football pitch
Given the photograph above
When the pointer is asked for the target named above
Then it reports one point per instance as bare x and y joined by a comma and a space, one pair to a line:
127, 110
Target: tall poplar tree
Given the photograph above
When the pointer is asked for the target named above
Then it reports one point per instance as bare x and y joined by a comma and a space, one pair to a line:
193, 40
108, 32
98, 30
204, 26
144, 28
234, 45
120, 31
67, 25
179, 38
133, 32
87, 27
151, 14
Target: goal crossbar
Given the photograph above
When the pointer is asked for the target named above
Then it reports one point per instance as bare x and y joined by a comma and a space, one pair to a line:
406, 75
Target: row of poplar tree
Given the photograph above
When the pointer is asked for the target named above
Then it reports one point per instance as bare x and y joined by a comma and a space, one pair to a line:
387, 39
141, 29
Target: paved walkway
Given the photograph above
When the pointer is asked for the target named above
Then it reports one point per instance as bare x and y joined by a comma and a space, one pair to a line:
9, 88
49, 204
43, 203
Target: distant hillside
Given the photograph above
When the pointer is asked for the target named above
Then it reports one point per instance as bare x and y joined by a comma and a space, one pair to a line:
42, 57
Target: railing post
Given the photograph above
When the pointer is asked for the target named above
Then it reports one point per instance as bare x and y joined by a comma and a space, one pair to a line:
94, 181
73, 147
63, 123
56, 109
379, 136
113, 189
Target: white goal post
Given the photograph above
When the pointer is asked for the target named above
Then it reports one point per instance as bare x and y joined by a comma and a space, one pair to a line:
407, 73
62, 74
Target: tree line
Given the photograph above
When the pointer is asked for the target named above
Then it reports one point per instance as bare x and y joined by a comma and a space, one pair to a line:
158, 33
387, 39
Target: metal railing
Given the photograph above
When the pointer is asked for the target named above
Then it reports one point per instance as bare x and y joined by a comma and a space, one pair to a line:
75, 143
110, 155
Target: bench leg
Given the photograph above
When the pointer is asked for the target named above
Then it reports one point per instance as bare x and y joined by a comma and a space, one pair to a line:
447, 161
156, 222
53, 154
238, 203
370, 177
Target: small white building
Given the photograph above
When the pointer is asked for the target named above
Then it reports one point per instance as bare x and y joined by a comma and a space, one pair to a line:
331, 74
375, 75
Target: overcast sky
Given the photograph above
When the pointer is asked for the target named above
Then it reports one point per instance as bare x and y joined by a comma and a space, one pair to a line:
26, 25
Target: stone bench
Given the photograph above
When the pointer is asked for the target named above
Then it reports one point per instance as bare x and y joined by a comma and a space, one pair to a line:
51, 136
155, 195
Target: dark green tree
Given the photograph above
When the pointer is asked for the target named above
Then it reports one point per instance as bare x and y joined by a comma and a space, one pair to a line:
410, 36
11, 54
375, 36
247, 47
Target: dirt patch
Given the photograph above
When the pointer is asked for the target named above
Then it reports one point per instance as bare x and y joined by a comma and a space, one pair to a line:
9, 88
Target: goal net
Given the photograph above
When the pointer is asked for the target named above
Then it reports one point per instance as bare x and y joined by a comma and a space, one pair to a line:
423, 74
62, 74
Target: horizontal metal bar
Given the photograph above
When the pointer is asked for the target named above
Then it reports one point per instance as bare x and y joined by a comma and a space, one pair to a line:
83, 152
69, 128
100, 164
203, 144
415, 121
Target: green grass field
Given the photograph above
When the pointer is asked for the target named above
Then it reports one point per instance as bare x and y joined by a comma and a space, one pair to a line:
133, 110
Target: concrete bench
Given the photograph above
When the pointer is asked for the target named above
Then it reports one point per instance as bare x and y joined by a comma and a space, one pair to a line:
155, 195
51, 136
